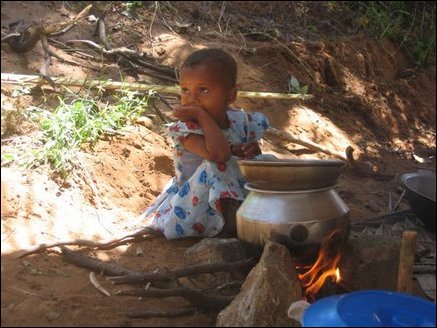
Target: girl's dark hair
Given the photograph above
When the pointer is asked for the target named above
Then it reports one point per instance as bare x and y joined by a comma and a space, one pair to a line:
225, 62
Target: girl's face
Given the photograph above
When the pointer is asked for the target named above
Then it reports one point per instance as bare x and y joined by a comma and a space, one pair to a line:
204, 86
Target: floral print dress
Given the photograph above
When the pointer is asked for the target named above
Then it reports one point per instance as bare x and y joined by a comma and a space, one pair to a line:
189, 206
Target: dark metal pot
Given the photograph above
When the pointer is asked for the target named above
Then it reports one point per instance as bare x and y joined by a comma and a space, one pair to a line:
420, 191
301, 220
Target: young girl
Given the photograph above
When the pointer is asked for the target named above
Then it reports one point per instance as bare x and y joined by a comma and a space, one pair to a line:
208, 138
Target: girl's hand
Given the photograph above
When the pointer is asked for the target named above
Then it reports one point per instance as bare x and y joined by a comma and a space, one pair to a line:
246, 150
187, 113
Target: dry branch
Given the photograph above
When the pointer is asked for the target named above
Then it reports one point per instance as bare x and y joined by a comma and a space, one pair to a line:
55, 28
122, 275
10, 35
66, 48
47, 61
128, 56
141, 278
121, 50
307, 143
138, 236
198, 298
358, 168
84, 261
97, 285
29, 36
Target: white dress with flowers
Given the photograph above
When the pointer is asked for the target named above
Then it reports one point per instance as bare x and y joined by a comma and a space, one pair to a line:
189, 206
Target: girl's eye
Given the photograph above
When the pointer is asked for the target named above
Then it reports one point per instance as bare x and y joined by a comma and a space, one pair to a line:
204, 90
184, 90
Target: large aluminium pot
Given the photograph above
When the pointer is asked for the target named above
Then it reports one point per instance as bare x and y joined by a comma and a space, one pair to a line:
302, 220
420, 190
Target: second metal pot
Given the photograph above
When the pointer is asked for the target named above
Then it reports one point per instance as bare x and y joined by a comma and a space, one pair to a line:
290, 174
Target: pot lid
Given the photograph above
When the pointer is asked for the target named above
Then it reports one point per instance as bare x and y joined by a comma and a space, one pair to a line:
291, 162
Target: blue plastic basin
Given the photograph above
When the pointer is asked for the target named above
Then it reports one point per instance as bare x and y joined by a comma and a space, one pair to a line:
371, 308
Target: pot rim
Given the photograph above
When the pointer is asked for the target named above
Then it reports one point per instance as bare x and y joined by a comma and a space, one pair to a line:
405, 180
291, 162
248, 186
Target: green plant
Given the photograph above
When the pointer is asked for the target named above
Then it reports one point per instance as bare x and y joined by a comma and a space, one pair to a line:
295, 87
20, 90
331, 5
7, 158
312, 28
410, 24
132, 4
81, 121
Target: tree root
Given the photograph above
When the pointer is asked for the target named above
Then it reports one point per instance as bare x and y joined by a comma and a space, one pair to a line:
138, 236
29, 36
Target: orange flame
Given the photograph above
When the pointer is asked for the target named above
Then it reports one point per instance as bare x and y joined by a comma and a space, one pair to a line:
337, 275
325, 266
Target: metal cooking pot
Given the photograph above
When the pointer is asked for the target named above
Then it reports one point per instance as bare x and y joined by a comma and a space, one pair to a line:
301, 220
420, 192
290, 174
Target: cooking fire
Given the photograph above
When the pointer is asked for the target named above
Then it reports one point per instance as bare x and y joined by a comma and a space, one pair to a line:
314, 276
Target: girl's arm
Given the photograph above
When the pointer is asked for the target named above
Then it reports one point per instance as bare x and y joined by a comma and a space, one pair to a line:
213, 145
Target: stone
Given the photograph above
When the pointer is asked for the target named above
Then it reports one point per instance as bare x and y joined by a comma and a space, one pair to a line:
267, 293
370, 262
216, 250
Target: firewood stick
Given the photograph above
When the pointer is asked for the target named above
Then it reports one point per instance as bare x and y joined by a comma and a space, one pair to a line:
94, 264
11, 35
197, 298
406, 261
141, 278
124, 275
307, 143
